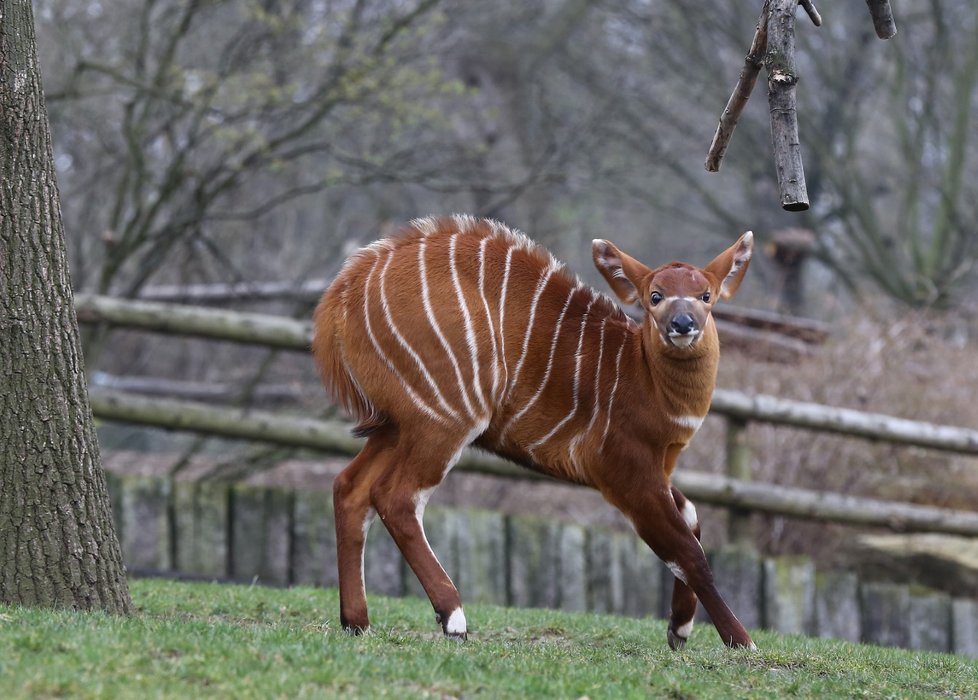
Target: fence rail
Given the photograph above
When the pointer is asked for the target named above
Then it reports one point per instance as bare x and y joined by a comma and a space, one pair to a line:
333, 436
289, 334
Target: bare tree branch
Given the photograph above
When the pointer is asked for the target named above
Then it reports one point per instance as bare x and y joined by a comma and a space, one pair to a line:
741, 93
809, 7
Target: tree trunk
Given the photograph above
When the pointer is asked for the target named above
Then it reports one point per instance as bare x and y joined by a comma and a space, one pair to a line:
58, 546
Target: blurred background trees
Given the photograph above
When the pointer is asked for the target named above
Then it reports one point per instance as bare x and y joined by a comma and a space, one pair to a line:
232, 140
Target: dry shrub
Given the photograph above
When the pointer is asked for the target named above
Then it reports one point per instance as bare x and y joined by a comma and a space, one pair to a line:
919, 367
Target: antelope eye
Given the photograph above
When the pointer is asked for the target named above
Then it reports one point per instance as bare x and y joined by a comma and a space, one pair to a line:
705, 297
655, 298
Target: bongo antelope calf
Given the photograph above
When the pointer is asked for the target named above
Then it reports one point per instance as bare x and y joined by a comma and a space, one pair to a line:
461, 331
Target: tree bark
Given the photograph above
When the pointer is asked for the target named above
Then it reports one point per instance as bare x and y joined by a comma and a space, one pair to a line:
58, 545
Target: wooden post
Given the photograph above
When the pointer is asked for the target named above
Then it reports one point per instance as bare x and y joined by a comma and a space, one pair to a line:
738, 467
789, 595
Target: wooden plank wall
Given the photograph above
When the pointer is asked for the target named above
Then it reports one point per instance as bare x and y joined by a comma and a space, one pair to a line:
227, 531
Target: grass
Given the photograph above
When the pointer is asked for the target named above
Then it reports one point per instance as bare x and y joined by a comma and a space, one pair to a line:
208, 640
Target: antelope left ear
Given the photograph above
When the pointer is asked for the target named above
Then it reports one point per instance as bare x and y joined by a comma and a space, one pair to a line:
730, 265
622, 272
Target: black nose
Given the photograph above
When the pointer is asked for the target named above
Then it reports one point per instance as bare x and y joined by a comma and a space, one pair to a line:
682, 324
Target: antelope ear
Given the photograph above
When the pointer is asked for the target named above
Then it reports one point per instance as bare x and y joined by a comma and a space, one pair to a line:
729, 267
622, 272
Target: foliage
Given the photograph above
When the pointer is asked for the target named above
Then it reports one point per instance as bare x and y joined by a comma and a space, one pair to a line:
898, 364
237, 641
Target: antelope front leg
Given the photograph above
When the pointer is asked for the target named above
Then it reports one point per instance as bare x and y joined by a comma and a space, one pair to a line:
671, 538
683, 597
659, 522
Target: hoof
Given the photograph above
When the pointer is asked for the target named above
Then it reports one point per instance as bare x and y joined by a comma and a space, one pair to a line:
355, 628
454, 625
676, 643
747, 644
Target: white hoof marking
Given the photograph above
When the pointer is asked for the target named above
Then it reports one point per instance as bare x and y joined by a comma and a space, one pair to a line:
456, 622
685, 630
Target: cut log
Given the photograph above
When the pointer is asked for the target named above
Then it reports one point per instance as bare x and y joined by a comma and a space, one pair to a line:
883, 21
781, 82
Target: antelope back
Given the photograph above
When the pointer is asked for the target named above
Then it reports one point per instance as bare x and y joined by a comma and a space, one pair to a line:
469, 325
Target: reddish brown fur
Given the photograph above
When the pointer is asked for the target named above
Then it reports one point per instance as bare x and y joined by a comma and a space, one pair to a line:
617, 425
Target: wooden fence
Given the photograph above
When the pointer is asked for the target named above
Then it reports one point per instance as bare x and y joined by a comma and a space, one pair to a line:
219, 530
740, 495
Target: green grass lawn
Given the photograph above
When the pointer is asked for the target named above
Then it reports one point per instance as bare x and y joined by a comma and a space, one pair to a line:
196, 640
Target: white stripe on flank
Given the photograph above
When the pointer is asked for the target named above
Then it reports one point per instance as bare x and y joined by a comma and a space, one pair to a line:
689, 514
404, 344
418, 401
502, 311
550, 364
597, 379
577, 383
614, 388
485, 305
470, 339
544, 278
597, 395
426, 302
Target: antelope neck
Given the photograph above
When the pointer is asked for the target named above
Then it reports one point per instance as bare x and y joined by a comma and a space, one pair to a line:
684, 382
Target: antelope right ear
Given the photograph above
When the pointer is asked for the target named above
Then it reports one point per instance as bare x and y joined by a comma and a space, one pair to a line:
728, 267
622, 272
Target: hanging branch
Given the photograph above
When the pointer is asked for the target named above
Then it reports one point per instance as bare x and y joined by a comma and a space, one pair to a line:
781, 82
741, 93
883, 21
756, 57
813, 15
774, 47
